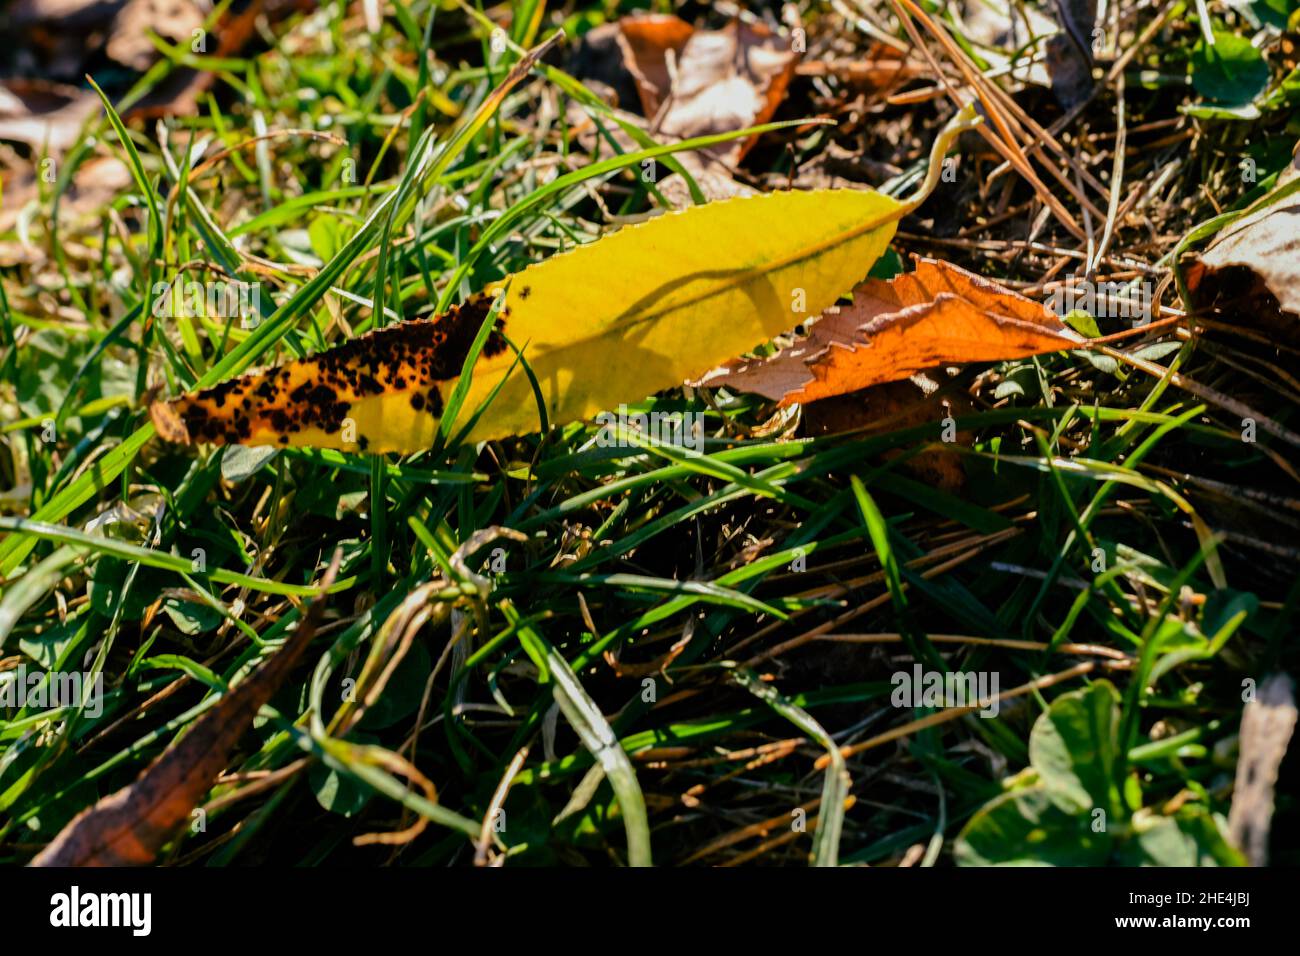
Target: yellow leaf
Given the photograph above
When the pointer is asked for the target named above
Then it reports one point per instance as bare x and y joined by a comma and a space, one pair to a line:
640, 310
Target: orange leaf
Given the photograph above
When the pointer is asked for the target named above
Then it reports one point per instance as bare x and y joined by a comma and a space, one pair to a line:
938, 315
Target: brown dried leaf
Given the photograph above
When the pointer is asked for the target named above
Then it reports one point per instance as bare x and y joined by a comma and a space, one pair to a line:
129, 827
894, 406
45, 116
173, 20
688, 83
645, 42
1252, 269
727, 80
938, 315
700, 82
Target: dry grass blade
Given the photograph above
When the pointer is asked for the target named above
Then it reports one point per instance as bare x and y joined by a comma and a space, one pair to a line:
952, 713
1005, 139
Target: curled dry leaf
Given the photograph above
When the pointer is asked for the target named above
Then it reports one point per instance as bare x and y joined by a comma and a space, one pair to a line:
722, 80
938, 315
1252, 268
646, 40
687, 83
129, 827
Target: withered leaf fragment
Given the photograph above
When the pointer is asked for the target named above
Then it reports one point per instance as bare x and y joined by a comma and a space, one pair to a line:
129, 827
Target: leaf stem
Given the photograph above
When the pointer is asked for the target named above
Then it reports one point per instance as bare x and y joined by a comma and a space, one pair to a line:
965, 119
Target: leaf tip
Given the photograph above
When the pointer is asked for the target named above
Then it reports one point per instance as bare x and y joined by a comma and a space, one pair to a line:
168, 422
